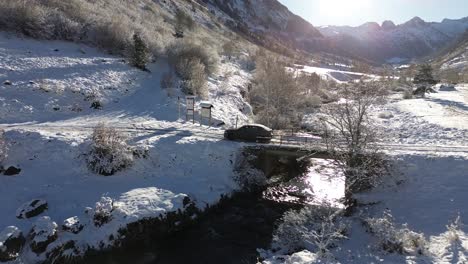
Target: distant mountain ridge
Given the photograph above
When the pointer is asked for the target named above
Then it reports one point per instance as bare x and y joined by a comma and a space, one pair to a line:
413, 39
272, 24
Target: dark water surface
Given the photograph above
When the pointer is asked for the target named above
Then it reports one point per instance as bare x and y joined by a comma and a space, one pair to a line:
229, 232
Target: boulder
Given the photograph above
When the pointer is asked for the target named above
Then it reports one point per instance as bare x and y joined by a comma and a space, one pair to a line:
72, 225
447, 88
10, 171
11, 243
32, 208
43, 233
7, 82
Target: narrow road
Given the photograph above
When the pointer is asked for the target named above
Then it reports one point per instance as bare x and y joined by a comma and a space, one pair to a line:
184, 129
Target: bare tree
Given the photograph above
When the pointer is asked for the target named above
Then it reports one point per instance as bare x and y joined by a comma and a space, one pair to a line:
351, 137
275, 93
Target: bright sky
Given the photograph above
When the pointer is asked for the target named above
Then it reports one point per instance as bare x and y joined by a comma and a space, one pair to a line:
357, 12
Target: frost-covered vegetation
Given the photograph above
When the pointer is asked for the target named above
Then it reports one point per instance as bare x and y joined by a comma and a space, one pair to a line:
193, 63
281, 96
315, 228
351, 136
107, 24
109, 151
3, 147
394, 239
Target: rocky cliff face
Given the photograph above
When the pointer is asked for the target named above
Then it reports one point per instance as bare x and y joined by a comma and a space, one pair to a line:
268, 19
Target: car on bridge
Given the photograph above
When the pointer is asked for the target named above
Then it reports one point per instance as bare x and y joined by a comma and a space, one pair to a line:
251, 133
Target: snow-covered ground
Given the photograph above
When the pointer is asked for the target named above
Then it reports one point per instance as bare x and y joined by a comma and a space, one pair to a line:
439, 119
46, 90
428, 138
337, 75
46, 113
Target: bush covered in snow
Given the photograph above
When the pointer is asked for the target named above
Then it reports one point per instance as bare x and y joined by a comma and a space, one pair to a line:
109, 151
192, 51
315, 228
394, 239
248, 177
103, 211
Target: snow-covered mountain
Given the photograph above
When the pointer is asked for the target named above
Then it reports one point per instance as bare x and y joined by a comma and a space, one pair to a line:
392, 43
266, 20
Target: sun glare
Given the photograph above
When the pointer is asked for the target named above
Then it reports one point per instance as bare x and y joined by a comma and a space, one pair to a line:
344, 8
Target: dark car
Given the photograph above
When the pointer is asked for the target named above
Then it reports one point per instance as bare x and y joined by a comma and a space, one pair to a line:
252, 133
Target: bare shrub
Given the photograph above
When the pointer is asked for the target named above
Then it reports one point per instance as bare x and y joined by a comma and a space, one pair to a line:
274, 94
188, 50
407, 94
395, 239
167, 81
194, 78
230, 48
183, 21
107, 24
247, 62
3, 147
315, 228
311, 101
454, 231
113, 35
109, 151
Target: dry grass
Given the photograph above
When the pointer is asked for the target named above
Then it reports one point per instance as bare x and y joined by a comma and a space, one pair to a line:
108, 24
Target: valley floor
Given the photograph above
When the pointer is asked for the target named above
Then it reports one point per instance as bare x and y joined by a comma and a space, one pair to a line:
46, 114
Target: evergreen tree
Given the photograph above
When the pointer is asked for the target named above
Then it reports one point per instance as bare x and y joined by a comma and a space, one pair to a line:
424, 75
140, 54
425, 78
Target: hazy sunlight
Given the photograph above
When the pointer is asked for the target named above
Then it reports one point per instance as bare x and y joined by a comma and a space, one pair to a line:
340, 8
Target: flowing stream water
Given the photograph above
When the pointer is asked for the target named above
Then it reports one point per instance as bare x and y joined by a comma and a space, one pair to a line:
232, 230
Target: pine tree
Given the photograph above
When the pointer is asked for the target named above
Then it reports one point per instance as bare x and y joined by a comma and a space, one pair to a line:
425, 78
424, 75
140, 55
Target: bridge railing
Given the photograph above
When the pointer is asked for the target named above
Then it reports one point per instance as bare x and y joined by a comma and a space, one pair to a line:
294, 137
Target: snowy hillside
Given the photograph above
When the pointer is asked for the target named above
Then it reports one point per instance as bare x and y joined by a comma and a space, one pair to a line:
47, 92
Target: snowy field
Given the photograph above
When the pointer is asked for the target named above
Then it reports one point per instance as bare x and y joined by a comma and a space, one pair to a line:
338, 76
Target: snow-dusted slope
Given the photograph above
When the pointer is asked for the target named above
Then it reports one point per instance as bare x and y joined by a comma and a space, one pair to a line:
46, 90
